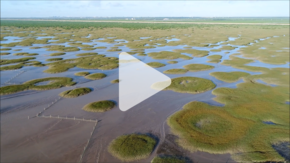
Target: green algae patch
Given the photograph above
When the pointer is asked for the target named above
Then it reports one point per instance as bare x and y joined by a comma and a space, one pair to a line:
170, 159
95, 76
82, 73
198, 67
53, 59
188, 85
75, 92
132, 147
156, 64
57, 54
193, 52
168, 55
172, 62
38, 84
229, 76
175, 71
115, 81
99, 106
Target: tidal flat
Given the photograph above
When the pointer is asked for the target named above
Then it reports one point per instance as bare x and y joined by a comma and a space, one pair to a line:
59, 93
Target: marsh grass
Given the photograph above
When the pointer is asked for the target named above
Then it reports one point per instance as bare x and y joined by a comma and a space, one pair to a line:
101, 47
55, 82
193, 52
82, 73
188, 85
175, 71
115, 81
53, 59
75, 92
86, 54
172, 62
61, 48
9, 61
57, 54
35, 47
168, 55
214, 58
26, 54
198, 67
156, 64
99, 106
114, 49
4, 53
95, 76
229, 76
132, 147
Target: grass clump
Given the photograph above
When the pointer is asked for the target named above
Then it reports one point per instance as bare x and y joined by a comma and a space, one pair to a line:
4, 53
193, 52
115, 81
188, 85
214, 58
172, 62
96, 76
132, 147
86, 54
53, 59
9, 61
57, 54
229, 76
61, 48
101, 47
114, 49
99, 106
198, 67
82, 73
175, 71
168, 55
38, 84
12, 67
35, 47
75, 92
26, 54
156, 64
5, 49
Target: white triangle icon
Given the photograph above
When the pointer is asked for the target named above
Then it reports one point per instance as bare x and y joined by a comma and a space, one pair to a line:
136, 80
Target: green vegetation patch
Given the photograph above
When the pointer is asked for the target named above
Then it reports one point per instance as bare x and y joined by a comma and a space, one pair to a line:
214, 58
75, 92
96, 76
82, 73
168, 55
188, 85
4, 53
61, 48
156, 64
229, 76
87, 54
198, 67
26, 54
101, 47
99, 106
89, 62
175, 71
115, 81
9, 61
38, 84
132, 147
5, 49
237, 127
57, 54
35, 47
193, 52
172, 62
53, 59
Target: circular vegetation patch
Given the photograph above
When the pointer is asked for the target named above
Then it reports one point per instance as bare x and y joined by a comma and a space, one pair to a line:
75, 92
99, 106
115, 81
96, 76
198, 67
132, 147
175, 71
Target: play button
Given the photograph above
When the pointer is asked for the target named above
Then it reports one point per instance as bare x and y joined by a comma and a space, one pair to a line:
136, 80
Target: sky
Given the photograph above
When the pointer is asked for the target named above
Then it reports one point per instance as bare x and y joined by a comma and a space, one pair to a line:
145, 8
